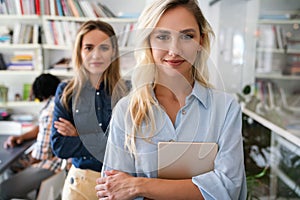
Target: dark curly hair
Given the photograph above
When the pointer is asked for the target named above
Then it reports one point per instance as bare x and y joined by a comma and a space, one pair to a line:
44, 86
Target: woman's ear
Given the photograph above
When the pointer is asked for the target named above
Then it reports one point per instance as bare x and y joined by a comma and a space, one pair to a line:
201, 41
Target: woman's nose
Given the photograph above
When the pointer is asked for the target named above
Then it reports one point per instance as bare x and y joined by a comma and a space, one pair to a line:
96, 53
174, 48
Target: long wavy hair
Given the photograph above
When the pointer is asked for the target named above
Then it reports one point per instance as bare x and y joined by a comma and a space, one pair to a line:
111, 76
142, 101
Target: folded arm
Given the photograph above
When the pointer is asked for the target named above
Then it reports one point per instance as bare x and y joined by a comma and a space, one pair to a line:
120, 185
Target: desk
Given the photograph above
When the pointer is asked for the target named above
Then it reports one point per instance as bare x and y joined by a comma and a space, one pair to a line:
8, 156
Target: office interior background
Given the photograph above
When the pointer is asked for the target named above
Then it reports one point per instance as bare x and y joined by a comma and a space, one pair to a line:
255, 56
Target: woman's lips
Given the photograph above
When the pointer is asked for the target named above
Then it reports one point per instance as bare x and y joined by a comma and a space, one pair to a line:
174, 62
96, 63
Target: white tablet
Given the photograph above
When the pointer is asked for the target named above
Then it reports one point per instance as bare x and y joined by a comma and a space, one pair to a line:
182, 160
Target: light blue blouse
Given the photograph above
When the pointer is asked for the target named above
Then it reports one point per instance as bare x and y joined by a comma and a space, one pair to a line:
208, 116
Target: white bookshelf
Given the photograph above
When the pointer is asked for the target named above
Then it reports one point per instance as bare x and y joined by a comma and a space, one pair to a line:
47, 54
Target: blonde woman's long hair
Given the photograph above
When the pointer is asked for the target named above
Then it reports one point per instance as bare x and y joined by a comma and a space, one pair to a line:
111, 76
142, 101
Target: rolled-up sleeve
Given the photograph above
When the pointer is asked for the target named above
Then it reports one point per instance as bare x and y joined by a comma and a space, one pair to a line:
227, 181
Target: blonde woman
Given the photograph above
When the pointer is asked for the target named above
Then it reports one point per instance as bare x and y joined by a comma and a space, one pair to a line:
83, 108
172, 100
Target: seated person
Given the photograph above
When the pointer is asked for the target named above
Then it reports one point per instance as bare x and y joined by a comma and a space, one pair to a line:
41, 163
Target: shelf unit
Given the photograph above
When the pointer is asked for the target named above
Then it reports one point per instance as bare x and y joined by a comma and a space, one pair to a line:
287, 135
46, 54
53, 52
280, 137
276, 86
277, 76
277, 59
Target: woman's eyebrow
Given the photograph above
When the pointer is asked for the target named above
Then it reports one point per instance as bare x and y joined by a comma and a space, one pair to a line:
87, 44
188, 30
163, 31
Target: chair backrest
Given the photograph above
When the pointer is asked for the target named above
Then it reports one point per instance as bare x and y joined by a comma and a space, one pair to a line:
51, 187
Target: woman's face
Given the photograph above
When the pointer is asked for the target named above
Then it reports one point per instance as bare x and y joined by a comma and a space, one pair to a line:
175, 42
96, 52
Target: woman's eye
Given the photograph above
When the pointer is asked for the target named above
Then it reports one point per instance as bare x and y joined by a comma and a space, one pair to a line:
187, 36
104, 48
163, 37
88, 48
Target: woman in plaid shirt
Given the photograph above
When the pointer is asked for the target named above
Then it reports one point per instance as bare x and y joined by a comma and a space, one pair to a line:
41, 162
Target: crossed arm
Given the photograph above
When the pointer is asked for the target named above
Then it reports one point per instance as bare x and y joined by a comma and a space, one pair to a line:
120, 185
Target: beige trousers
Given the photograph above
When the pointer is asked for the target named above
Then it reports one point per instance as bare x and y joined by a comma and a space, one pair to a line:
80, 184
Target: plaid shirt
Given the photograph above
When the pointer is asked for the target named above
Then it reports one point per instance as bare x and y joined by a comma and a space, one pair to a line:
42, 149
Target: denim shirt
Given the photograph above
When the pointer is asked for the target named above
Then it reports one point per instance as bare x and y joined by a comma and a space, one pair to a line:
207, 116
82, 149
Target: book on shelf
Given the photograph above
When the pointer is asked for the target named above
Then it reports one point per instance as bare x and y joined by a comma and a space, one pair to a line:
48, 32
35, 34
27, 91
63, 63
276, 16
65, 7
272, 36
266, 36
5, 39
73, 8
25, 33
291, 71
22, 9
67, 33
59, 7
61, 66
37, 7
2, 62
97, 9
45, 7
279, 37
77, 8
124, 34
5, 35
60, 32
293, 43
22, 60
280, 14
295, 70
53, 9
106, 10
131, 39
3, 9
16, 33
18, 8
21, 67
87, 8
54, 32
10, 7
269, 62
28, 7
22, 56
